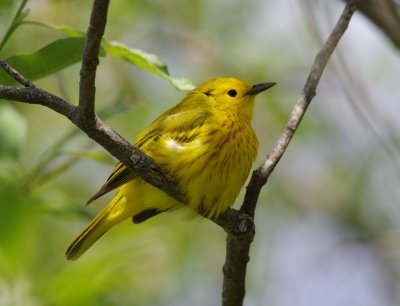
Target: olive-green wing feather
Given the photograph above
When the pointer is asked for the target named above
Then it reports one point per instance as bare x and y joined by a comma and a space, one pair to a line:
182, 127
119, 176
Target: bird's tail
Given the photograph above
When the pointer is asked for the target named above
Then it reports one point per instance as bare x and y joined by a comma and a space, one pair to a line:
113, 213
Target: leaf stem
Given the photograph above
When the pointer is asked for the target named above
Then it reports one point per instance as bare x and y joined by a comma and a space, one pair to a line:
15, 23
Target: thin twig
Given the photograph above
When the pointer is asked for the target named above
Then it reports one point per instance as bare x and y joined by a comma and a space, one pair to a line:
18, 77
90, 59
15, 23
39, 96
302, 103
238, 245
55, 149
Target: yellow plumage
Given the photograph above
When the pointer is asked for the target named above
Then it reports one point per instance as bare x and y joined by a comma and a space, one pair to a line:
205, 144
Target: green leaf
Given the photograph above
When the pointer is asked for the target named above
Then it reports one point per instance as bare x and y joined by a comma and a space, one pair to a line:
72, 32
143, 60
146, 61
50, 59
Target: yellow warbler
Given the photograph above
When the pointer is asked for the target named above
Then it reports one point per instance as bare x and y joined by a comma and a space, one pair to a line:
205, 144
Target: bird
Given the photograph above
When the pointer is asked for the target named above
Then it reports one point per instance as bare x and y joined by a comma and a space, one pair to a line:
205, 145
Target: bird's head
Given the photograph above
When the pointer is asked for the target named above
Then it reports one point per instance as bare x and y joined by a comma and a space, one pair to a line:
231, 95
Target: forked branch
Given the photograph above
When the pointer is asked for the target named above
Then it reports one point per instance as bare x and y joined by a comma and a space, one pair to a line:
238, 241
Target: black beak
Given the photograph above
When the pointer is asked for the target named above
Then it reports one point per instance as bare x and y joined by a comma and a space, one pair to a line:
259, 88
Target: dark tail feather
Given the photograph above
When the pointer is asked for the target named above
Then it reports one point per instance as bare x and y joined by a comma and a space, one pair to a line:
146, 214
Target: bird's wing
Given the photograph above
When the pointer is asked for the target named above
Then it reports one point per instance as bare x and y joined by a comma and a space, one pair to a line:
119, 176
182, 127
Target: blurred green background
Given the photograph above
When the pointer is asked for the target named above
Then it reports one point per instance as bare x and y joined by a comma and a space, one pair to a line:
327, 221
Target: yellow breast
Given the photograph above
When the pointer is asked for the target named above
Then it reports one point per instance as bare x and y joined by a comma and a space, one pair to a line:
212, 169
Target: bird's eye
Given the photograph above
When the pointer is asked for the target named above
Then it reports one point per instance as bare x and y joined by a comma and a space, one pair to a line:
232, 93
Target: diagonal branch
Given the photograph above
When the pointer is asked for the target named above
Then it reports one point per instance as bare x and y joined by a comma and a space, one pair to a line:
133, 159
238, 245
262, 174
84, 116
18, 77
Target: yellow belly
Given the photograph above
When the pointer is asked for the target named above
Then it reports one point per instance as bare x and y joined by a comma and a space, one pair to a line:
210, 174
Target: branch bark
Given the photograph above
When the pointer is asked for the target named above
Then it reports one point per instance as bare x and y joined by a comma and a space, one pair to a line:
90, 59
238, 241
84, 116
120, 148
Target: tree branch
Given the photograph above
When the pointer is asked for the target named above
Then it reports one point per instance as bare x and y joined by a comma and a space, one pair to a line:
133, 159
39, 96
18, 77
90, 59
84, 116
238, 243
